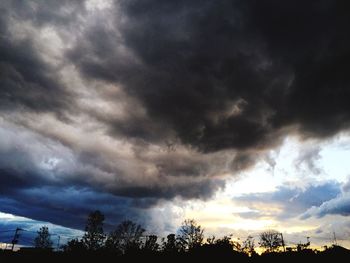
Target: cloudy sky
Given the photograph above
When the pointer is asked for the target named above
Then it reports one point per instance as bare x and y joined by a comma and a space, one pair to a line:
234, 113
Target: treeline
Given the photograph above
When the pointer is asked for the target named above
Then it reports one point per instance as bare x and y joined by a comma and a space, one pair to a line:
128, 239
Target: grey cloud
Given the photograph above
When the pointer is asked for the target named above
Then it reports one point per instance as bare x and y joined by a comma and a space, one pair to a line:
293, 201
43, 12
44, 161
253, 214
201, 189
309, 158
190, 61
346, 185
339, 205
28, 83
69, 206
45, 180
244, 160
336, 206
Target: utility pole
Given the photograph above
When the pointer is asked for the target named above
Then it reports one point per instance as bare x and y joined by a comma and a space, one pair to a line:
284, 247
335, 239
15, 238
58, 242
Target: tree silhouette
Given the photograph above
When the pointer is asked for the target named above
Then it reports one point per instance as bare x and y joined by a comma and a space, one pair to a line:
303, 246
151, 244
248, 246
75, 245
127, 236
171, 245
190, 234
94, 236
270, 240
211, 240
225, 243
43, 239
222, 247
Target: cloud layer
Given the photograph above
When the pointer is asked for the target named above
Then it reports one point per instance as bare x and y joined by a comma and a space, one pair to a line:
339, 205
123, 104
288, 201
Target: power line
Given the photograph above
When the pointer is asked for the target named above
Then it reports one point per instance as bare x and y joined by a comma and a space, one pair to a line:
30, 231
4, 231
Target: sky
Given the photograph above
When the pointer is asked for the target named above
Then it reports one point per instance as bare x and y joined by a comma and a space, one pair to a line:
234, 113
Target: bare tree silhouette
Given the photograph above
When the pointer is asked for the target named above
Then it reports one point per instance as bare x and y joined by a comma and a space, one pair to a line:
43, 239
127, 236
248, 246
94, 236
270, 240
191, 234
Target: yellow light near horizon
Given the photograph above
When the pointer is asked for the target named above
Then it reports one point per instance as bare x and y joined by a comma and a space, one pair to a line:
251, 224
224, 214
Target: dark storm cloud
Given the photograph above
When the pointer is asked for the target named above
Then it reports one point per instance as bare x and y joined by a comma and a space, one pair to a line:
59, 13
202, 189
26, 189
32, 193
171, 97
189, 63
44, 180
69, 206
31, 84
17, 171
26, 80
294, 201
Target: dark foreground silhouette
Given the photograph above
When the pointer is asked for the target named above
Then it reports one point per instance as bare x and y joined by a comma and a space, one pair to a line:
206, 253
129, 243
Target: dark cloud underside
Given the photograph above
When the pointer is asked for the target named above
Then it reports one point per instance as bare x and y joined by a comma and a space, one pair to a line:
288, 62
